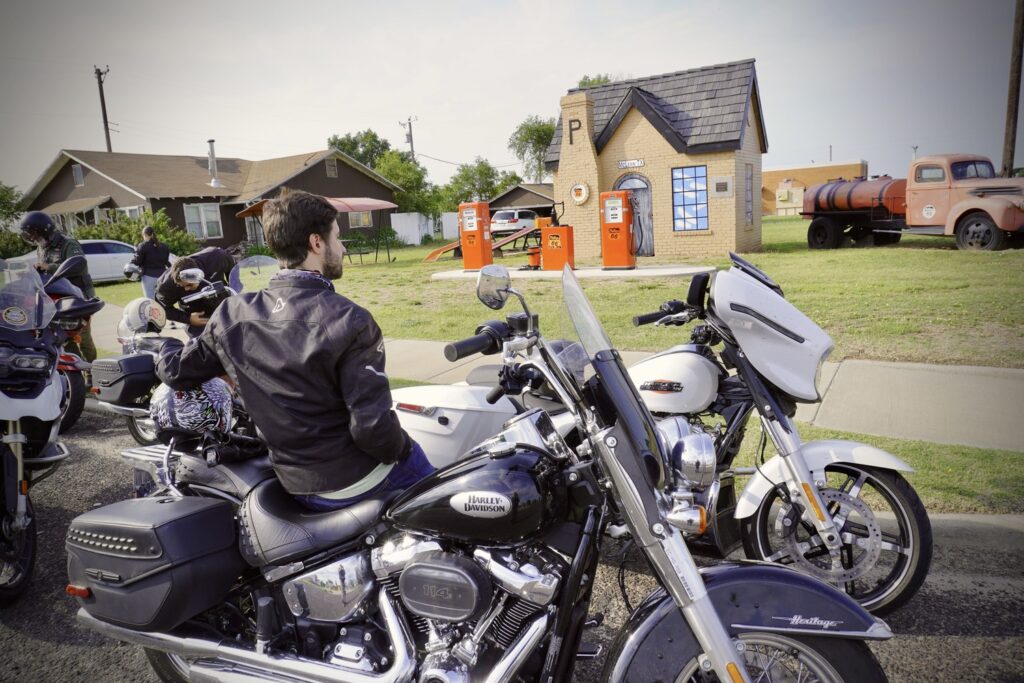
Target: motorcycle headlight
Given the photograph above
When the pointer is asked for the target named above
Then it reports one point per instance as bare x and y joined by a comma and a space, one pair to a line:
817, 373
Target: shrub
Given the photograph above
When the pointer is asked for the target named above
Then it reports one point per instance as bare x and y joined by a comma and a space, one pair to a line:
129, 230
12, 245
258, 250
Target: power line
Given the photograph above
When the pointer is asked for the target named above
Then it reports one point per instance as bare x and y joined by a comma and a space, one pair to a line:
456, 163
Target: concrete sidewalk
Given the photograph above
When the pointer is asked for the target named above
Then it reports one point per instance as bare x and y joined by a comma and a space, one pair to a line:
971, 406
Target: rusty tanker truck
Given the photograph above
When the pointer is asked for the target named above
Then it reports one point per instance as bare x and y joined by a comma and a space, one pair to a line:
958, 195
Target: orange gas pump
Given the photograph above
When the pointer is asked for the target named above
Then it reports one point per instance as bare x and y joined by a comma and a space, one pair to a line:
475, 235
557, 246
617, 251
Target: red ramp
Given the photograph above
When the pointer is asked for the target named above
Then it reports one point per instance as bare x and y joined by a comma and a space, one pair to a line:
436, 254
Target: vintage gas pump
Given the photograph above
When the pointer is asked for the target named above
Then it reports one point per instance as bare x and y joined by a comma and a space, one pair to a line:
557, 246
617, 250
475, 235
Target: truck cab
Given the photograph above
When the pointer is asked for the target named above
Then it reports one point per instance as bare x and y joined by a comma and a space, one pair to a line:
962, 196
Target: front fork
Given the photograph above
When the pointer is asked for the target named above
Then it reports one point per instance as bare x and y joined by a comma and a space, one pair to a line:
801, 485
672, 561
15, 493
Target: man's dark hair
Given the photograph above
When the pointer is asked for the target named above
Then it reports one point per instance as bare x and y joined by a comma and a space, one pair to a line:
290, 219
181, 264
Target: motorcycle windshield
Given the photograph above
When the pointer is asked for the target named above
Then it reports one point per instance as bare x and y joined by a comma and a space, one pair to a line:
24, 305
252, 273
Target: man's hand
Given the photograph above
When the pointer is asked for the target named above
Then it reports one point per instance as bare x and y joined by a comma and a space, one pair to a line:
198, 320
41, 267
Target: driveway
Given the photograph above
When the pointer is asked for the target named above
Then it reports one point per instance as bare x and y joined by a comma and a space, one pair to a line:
964, 625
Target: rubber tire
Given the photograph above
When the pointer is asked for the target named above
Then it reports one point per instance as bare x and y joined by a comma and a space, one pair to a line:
906, 497
11, 592
884, 239
824, 233
164, 667
76, 400
135, 431
997, 239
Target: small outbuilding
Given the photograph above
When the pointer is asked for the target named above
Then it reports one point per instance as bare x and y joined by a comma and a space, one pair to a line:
535, 196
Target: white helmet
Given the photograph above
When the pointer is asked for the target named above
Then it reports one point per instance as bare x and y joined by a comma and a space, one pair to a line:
141, 315
132, 272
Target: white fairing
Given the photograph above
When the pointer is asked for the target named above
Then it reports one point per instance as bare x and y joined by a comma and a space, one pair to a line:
677, 381
817, 455
773, 348
45, 406
456, 418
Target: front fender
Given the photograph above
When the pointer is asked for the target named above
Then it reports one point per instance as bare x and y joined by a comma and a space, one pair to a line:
1004, 212
656, 642
817, 454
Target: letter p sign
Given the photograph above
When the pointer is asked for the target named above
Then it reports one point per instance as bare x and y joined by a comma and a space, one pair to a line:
574, 125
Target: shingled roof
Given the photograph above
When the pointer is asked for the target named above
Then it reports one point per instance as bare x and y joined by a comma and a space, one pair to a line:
699, 110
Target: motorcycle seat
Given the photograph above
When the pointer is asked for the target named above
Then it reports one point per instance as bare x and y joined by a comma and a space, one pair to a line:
275, 528
157, 344
235, 478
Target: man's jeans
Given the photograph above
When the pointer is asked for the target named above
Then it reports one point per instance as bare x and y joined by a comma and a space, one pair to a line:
402, 476
149, 286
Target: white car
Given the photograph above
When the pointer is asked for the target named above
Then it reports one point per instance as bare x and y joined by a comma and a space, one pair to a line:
106, 258
506, 222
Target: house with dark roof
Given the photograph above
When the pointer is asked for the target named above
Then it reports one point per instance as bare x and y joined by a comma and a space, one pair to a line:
536, 196
199, 194
687, 145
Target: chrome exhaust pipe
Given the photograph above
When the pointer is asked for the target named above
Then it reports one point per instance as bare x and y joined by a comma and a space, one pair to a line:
235, 663
126, 411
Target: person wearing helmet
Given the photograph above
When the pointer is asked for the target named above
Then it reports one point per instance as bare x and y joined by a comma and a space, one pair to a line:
52, 249
152, 259
216, 265
309, 364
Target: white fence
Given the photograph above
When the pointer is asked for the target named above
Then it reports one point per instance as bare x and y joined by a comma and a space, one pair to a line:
411, 228
450, 225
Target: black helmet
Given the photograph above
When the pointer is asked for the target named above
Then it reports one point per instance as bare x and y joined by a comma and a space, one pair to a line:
37, 226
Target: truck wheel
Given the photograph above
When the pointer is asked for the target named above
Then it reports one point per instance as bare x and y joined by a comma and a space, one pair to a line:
883, 239
977, 232
824, 233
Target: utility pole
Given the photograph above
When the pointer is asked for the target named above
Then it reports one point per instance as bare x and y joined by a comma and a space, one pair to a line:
100, 76
407, 124
830, 153
914, 147
1013, 97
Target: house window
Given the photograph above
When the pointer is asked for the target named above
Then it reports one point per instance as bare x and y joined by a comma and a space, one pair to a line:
690, 198
203, 221
76, 171
930, 174
332, 167
130, 211
254, 230
360, 219
749, 191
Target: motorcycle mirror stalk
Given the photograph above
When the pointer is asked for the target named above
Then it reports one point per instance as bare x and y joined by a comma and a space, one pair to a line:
493, 287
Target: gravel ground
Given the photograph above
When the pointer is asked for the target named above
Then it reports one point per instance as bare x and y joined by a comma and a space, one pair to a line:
964, 625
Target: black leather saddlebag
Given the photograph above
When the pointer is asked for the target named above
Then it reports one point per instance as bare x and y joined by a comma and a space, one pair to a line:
152, 563
123, 380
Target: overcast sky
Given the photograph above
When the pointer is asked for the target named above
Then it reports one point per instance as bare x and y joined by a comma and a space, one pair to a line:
269, 79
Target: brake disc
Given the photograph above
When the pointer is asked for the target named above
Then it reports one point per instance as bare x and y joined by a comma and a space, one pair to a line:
799, 543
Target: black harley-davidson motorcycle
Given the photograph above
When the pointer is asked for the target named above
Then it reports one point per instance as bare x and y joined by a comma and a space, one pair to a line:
482, 571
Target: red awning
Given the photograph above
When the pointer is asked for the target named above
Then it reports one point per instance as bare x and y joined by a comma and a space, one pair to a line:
342, 204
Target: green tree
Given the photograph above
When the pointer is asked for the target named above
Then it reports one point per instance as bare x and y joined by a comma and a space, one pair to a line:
478, 181
366, 146
530, 141
589, 81
9, 209
417, 193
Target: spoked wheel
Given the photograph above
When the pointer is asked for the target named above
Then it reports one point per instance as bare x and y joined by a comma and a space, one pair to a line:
887, 538
17, 557
143, 430
168, 668
73, 399
776, 658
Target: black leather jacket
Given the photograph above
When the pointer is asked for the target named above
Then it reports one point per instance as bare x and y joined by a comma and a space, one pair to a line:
152, 257
309, 364
216, 264
58, 250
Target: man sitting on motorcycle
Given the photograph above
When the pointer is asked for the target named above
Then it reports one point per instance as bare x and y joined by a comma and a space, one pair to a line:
216, 265
309, 364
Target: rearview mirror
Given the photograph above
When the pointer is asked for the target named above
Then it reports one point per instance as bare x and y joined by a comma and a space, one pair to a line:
492, 286
193, 276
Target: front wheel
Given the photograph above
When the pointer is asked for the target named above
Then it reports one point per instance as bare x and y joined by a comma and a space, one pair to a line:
978, 232
824, 233
73, 401
777, 657
17, 557
887, 538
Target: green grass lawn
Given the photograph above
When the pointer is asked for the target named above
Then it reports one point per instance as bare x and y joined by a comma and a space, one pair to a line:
919, 301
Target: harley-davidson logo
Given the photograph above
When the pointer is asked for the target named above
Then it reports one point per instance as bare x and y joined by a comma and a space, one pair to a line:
486, 504
662, 386
801, 620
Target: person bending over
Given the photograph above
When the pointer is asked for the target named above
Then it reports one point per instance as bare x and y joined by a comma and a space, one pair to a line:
216, 265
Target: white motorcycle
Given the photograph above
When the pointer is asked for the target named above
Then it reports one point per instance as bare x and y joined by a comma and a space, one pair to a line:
837, 510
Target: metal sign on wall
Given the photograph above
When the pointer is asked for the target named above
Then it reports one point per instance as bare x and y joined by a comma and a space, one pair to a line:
631, 163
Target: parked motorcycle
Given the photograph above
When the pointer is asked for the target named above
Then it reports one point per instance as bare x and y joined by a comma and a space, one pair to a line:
32, 396
482, 571
838, 510
124, 384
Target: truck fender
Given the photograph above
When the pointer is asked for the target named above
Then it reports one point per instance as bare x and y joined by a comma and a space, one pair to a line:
656, 642
1002, 210
817, 454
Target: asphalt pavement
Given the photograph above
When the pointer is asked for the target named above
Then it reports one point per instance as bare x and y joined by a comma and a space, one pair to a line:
964, 625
